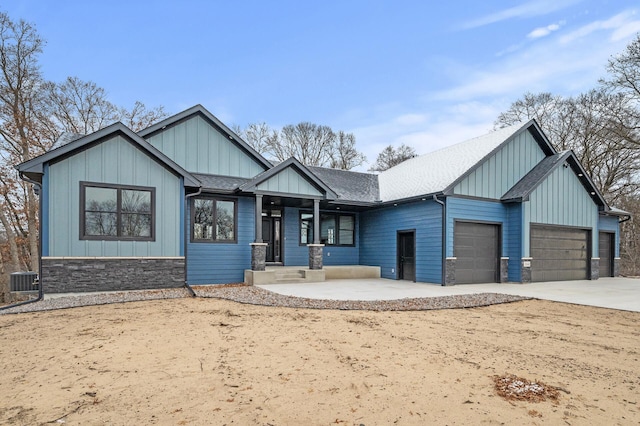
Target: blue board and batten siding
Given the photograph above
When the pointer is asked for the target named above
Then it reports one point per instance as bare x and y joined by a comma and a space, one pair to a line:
493, 178
115, 161
296, 254
379, 232
222, 263
198, 147
561, 200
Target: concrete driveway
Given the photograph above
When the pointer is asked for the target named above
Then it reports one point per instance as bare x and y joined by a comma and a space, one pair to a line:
614, 293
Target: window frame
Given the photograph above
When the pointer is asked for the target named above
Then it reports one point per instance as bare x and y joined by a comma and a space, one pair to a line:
336, 216
192, 214
119, 213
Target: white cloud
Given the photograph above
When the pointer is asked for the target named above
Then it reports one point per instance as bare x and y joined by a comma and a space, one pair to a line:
544, 31
452, 124
622, 23
563, 64
526, 10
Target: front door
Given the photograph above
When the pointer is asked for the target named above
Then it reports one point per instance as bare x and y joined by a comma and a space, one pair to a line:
407, 256
271, 234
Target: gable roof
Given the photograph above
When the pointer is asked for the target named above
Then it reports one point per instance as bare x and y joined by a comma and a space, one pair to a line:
252, 185
439, 171
213, 120
523, 188
34, 168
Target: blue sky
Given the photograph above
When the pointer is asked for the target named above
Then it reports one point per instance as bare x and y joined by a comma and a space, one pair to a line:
428, 74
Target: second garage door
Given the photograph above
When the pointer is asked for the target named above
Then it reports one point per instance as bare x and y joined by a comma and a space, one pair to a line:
559, 253
477, 251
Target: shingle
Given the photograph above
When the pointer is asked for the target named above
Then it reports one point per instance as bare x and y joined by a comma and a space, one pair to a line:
434, 172
521, 190
220, 183
350, 186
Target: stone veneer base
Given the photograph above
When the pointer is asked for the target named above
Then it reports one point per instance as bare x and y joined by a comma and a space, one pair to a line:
87, 274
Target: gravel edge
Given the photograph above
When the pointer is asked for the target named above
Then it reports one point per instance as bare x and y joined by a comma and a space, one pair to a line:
258, 296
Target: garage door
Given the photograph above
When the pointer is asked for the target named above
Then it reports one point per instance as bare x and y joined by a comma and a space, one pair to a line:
606, 254
477, 251
559, 254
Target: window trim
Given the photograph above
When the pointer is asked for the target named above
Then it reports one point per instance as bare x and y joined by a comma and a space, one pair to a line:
336, 216
119, 188
192, 216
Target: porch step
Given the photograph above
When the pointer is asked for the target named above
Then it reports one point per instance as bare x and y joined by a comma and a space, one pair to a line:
290, 276
283, 275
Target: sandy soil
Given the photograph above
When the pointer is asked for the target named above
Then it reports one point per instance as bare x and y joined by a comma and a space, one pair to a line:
208, 361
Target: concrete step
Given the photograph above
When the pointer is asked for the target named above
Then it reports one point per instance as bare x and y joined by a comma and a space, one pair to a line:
290, 274
290, 280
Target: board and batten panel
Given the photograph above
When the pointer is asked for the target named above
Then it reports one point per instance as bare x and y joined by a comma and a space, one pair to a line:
115, 161
502, 170
296, 254
198, 147
561, 200
289, 181
514, 235
378, 238
223, 263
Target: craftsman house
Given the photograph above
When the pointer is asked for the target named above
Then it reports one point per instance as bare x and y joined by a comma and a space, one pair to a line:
187, 200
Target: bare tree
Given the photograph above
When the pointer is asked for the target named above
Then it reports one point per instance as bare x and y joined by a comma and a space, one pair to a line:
391, 156
21, 130
77, 106
258, 135
344, 155
311, 144
624, 70
140, 117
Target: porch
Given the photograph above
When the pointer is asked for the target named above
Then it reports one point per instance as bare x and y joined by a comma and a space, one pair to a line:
302, 274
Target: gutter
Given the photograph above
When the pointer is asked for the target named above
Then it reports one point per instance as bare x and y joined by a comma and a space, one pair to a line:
444, 237
186, 238
626, 218
40, 291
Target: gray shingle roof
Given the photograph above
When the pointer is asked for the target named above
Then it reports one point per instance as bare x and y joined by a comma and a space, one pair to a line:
525, 186
220, 183
350, 186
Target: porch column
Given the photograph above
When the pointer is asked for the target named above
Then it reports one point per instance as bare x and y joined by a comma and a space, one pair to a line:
258, 248
258, 218
315, 249
316, 221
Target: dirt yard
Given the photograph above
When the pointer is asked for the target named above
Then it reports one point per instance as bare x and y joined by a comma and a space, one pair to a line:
213, 362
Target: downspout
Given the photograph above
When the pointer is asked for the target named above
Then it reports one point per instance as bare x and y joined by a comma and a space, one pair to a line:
40, 292
186, 238
444, 237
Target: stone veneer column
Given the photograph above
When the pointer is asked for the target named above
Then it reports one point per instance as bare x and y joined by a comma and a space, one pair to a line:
504, 269
450, 271
595, 268
315, 256
525, 270
258, 256
616, 266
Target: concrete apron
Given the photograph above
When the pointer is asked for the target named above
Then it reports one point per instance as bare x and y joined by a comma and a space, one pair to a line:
613, 293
